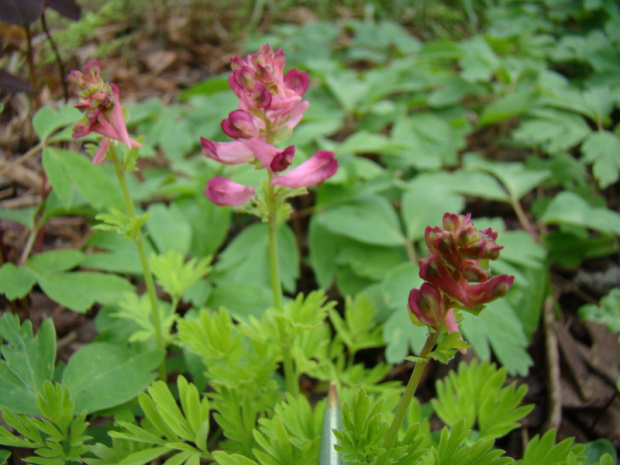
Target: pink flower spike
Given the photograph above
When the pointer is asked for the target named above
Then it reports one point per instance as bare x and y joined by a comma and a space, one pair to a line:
224, 192
228, 153
319, 167
101, 151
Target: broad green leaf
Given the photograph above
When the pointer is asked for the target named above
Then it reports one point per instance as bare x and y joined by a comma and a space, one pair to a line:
80, 290
47, 120
368, 261
424, 204
595, 102
54, 261
521, 249
399, 332
115, 253
365, 142
102, 375
348, 89
474, 183
15, 282
430, 141
555, 131
602, 149
169, 228
241, 299
246, 259
68, 171
570, 209
23, 216
323, 249
479, 61
607, 313
28, 363
508, 106
371, 220
515, 177
209, 223
498, 326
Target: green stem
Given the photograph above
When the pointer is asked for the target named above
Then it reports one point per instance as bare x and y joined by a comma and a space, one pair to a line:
392, 434
290, 378
274, 272
146, 270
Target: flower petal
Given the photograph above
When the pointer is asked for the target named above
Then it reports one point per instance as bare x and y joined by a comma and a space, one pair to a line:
228, 153
316, 169
223, 191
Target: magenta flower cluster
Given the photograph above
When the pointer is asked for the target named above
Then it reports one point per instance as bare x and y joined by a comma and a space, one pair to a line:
459, 256
101, 104
270, 105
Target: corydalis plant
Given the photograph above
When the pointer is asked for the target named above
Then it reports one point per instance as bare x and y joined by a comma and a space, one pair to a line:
270, 105
101, 104
459, 256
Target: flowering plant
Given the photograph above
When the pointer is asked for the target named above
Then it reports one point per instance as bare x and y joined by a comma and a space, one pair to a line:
270, 106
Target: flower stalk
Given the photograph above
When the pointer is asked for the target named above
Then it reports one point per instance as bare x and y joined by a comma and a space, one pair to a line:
146, 270
412, 386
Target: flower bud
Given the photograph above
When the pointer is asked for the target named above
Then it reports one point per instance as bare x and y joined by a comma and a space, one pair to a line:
426, 305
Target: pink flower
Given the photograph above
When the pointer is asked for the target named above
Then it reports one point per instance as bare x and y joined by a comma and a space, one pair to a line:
270, 105
316, 169
427, 306
101, 104
227, 153
459, 255
223, 191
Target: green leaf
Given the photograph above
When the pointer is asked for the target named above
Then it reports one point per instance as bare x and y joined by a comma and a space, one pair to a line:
474, 395
400, 334
597, 449
224, 458
498, 326
246, 259
80, 290
479, 61
515, 177
371, 220
608, 313
102, 375
48, 120
544, 450
242, 300
15, 282
521, 249
115, 253
368, 261
54, 261
68, 171
508, 106
23, 216
602, 149
424, 204
554, 131
169, 228
324, 247
4, 454
429, 140
28, 363
570, 209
